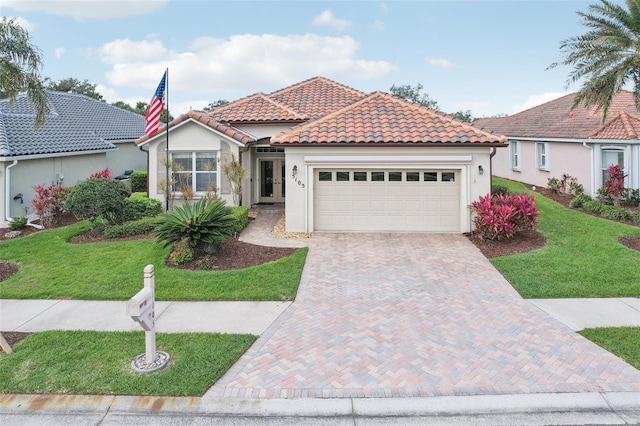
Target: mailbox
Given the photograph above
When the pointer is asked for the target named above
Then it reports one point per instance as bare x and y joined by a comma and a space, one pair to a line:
141, 309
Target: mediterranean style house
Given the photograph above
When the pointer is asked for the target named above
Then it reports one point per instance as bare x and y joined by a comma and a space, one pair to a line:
337, 158
553, 139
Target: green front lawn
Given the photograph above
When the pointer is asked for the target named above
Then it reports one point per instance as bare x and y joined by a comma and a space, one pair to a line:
582, 258
621, 341
53, 268
89, 362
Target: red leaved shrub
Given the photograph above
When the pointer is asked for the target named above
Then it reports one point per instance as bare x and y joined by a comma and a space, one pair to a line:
49, 203
101, 174
499, 217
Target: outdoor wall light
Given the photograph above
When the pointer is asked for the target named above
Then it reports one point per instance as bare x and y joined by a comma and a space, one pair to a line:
295, 170
480, 169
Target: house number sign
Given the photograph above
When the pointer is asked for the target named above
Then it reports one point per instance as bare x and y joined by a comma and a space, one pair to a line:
298, 181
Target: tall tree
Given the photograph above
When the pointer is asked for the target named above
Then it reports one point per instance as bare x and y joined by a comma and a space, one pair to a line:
464, 116
607, 56
414, 95
73, 85
20, 63
217, 103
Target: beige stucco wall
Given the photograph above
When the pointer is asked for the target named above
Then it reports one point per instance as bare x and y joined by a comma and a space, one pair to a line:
189, 136
46, 171
126, 157
299, 203
260, 131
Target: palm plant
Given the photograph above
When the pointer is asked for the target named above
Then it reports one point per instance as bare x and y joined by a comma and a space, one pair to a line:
203, 225
20, 62
607, 55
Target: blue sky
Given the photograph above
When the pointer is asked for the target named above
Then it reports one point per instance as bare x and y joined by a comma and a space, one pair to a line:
489, 57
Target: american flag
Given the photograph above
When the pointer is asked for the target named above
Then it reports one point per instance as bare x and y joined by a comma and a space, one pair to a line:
156, 106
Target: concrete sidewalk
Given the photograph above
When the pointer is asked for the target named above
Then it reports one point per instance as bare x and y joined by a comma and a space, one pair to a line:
578, 314
255, 317
171, 317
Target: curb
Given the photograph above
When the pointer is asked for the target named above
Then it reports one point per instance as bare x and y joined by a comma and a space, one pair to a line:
616, 407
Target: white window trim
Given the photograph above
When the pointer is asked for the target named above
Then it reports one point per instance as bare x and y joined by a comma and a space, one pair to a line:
625, 159
515, 160
193, 160
542, 146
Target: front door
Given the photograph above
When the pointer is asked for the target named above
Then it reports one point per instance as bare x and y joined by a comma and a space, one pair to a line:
272, 180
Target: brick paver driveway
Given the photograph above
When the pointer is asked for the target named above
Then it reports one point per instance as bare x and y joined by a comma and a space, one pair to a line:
415, 315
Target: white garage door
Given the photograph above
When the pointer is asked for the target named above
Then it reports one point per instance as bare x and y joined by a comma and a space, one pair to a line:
387, 200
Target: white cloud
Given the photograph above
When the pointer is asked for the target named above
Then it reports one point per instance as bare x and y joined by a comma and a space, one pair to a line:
59, 52
92, 9
440, 62
327, 18
378, 25
246, 63
535, 100
29, 26
383, 7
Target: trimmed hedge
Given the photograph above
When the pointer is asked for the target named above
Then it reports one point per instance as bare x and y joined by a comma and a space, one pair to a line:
139, 206
241, 216
127, 229
139, 181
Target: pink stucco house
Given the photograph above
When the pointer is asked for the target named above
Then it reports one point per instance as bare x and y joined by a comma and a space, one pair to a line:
552, 139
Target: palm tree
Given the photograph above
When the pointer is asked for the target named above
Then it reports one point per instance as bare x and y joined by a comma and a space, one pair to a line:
607, 55
20, 62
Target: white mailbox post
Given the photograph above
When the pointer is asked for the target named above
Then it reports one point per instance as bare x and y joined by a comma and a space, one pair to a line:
141, 308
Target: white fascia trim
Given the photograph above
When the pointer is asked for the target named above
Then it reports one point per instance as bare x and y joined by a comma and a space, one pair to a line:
386, 161
55, 154
571, 140
191, 120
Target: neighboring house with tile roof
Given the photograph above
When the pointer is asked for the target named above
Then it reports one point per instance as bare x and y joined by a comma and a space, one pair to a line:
339, 159
552, 139
80, 136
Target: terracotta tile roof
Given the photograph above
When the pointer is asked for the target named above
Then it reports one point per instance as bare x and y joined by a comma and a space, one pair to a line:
381, 118
622, 126
255, 108
316, 97
207, 120
556, 119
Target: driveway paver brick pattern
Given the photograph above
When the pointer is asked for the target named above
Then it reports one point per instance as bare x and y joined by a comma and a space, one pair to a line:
396, 315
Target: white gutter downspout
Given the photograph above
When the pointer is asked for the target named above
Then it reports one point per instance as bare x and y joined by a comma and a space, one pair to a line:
592, 166
7, 184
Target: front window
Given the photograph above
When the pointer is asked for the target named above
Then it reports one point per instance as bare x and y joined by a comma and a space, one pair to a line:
611, 157
514, 148
542, 155
194, 171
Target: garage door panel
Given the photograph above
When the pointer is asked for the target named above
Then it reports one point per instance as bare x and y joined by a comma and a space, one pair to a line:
387, 206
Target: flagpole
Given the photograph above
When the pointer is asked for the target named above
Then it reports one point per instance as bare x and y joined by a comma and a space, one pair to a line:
166, 94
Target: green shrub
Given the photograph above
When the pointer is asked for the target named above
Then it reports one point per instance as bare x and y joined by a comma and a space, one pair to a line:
593, 206
98, 198
203, 225
579, 201
127, 229
139, 181
616, 213
499, 190
181, 253
18, 223
241, 217
631, 197
141, 206
207, 262
604, 197
553, 184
